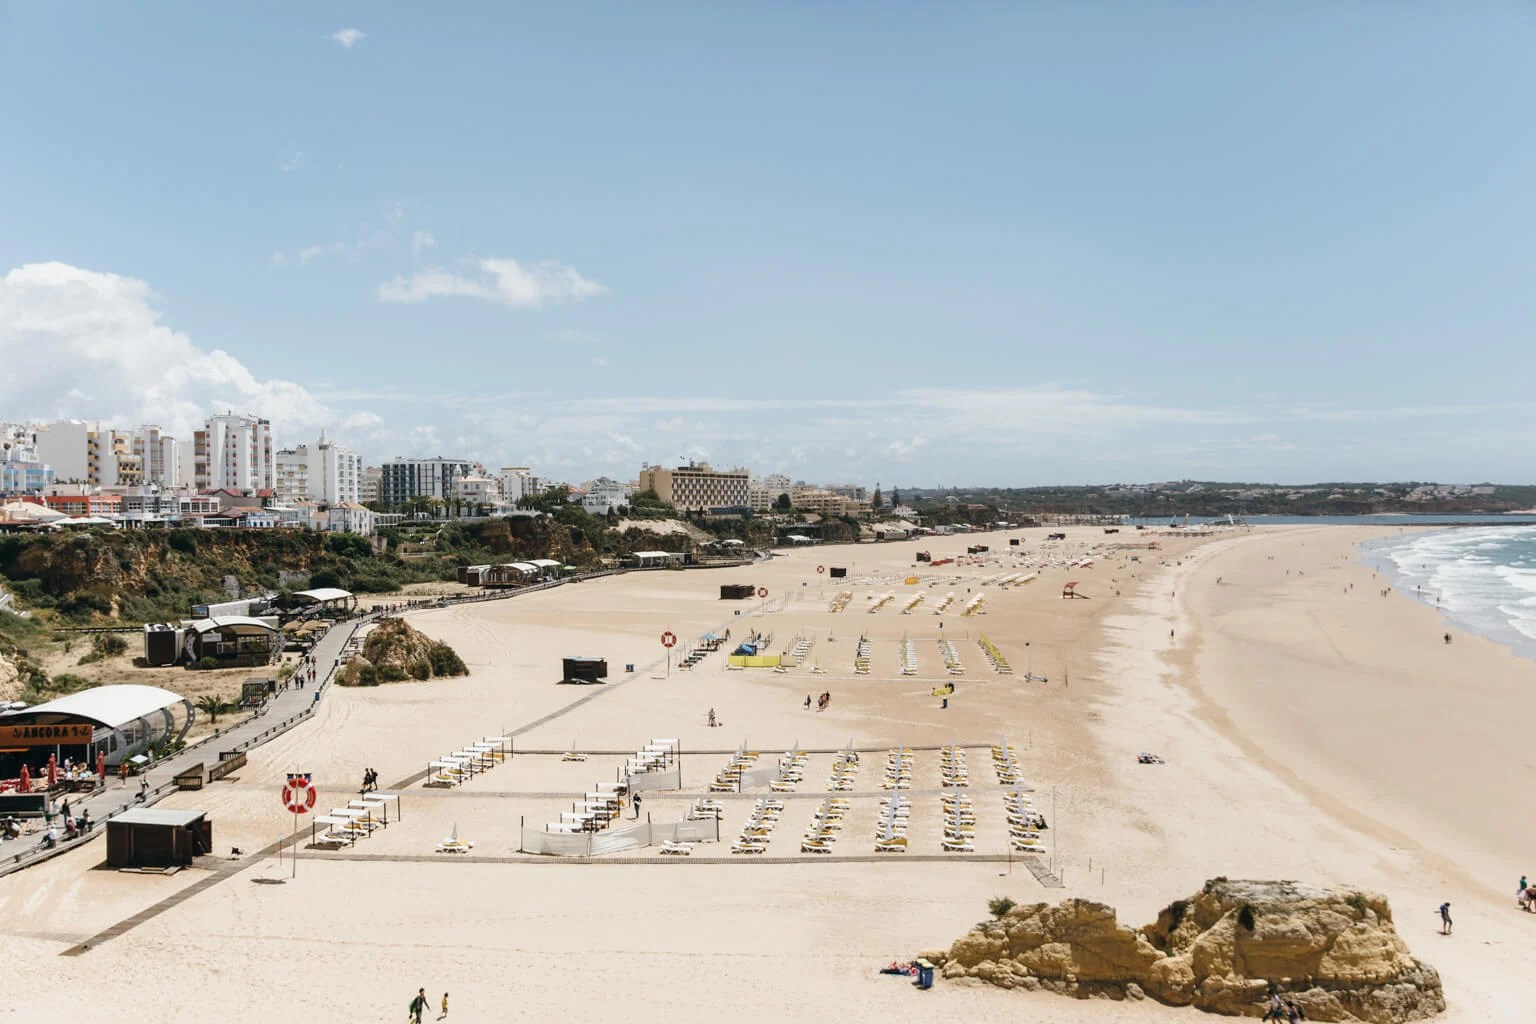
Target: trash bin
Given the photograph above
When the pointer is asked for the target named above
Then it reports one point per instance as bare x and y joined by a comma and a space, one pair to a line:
924, 974
629, 668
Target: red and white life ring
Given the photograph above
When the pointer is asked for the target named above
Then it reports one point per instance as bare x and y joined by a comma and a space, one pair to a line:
299, 796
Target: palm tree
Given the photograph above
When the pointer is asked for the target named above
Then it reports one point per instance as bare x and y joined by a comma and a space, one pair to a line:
213, 707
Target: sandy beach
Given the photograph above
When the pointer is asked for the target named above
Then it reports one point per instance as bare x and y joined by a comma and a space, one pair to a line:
1313, 728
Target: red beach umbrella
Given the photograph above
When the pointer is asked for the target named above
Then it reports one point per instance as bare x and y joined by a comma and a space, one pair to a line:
53, 770
25, 783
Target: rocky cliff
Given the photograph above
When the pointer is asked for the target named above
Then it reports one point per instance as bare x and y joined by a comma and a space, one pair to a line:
1334, 952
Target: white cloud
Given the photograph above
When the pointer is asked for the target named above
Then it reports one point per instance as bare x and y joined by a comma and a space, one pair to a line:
84, 344
279, 257
349, 37
421, 241
293, 163
502, 281
310, 252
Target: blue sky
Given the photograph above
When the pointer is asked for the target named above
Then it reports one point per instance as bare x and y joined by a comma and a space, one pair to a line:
918, 244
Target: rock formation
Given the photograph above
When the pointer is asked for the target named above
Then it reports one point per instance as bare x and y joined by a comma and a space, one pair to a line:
1334, 952
394, 651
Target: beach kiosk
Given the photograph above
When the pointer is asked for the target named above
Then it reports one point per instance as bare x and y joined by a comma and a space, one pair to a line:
149, 837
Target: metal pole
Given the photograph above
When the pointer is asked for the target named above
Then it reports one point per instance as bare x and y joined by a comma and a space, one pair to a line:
1055, 829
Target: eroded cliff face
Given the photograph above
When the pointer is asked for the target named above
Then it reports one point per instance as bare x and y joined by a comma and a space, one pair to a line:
1334, 952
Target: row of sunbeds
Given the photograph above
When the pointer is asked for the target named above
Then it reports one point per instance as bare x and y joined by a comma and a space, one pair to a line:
861, 656
759, 827
358, 820
728, 779
959, 823
840, 601
844, 769
994, 656
826, 823
898, 768
908, 657
791, 771
952, 663
1006, 764
953, 770
1024, 822
458, 767
891, 828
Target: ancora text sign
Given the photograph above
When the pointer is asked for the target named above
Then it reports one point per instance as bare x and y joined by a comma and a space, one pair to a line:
45, 735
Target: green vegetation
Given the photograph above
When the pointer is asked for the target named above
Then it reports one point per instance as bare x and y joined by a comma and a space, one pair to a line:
103, 646
1218, 498
1000, 905
213, 707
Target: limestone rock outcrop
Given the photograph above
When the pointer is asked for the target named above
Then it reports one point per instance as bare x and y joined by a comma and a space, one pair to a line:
1334, 952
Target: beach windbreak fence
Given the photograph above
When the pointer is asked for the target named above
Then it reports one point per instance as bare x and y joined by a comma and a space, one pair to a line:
617, 840
647, 781
760, 777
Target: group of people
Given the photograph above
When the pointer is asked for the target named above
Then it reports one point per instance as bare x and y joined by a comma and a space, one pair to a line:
418, 1006
1283, 1009
305, 673
821, 702
370, 780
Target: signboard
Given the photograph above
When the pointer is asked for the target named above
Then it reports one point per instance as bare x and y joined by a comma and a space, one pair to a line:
45, 735
821, 568
762, 591
669, 639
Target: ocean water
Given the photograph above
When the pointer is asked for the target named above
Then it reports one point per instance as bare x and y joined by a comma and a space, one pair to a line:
1483, 578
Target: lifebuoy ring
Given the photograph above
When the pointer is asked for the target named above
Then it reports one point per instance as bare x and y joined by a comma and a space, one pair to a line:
299, 796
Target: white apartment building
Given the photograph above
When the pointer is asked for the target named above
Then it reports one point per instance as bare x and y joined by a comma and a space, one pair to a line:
233, 453
604, 496
325, 472
368, 489
696, 487
401, 480
518, 482
22, 470
158, 455
477, 492
350, 517
66, 446
763, 491
81, 451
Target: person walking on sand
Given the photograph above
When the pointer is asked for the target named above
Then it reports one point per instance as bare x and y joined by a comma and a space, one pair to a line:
417, 1007
637, 806
445, 1007
1445, 918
